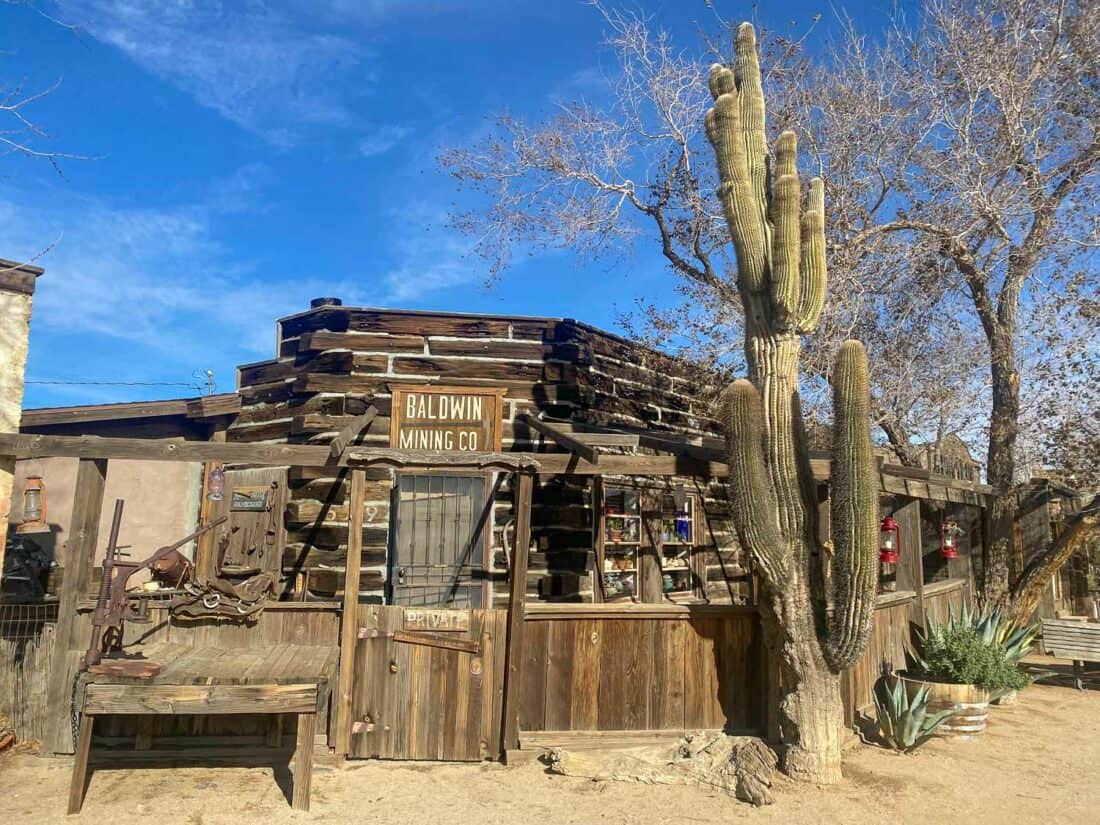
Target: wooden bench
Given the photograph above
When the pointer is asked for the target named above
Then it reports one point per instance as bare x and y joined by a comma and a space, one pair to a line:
277, 679
1076, 640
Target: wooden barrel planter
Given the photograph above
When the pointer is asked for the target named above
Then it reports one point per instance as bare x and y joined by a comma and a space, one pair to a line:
970, 703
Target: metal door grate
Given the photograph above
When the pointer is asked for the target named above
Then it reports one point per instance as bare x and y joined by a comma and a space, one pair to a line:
439, 541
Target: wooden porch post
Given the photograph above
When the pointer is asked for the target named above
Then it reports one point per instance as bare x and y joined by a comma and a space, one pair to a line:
206, 546
513, 673
79, 560
350, 617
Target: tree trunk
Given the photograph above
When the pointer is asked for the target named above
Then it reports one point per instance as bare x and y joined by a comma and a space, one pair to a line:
1004, 424
811, 713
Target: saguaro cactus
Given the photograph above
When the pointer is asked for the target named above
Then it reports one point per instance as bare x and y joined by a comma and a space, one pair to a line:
815, 625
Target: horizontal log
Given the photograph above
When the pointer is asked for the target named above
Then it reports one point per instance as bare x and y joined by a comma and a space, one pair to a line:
467, 368
332, 581
522, 350
360, 342
352, 384
426, 323
302, 556
336, 535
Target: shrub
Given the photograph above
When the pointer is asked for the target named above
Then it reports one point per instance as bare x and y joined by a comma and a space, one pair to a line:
959, 654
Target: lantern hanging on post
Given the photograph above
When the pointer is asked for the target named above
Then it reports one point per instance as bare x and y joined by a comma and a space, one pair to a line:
34, 506
890, 540
949, 533
215, 484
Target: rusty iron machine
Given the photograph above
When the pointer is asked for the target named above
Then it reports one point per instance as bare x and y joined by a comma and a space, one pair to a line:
172, 579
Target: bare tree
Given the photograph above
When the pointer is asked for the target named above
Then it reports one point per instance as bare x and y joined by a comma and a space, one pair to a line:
959, 155
597, 180
990, 114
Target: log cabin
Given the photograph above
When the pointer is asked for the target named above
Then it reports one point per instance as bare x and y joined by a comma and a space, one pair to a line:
510, 532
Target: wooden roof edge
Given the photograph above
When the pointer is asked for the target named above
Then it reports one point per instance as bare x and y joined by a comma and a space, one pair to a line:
202, 407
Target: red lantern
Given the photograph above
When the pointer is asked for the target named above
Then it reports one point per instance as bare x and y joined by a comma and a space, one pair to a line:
949, 531
890, 541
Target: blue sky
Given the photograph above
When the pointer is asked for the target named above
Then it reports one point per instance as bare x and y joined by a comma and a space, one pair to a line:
245, 157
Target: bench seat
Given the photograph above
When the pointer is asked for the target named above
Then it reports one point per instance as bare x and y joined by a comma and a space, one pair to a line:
276, 679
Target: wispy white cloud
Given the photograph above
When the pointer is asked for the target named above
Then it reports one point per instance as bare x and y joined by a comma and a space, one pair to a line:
431, 257
382, 140
255, 65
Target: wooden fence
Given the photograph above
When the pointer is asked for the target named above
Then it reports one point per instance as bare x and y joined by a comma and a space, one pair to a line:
665, 668
27, 633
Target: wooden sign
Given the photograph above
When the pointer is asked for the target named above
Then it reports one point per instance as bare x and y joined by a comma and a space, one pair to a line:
460, 419
250, 500
417, 618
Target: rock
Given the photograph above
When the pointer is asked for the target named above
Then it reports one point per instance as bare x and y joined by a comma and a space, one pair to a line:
741, 766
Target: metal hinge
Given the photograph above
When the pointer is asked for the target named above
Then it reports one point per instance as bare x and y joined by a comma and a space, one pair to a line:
373, 633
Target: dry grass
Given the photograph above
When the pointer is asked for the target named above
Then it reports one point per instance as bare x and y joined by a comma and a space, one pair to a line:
1039, 762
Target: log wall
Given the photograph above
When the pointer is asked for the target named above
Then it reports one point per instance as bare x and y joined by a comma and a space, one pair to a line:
334, 361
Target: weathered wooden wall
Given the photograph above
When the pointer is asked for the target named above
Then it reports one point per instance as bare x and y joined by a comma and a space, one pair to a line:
939, 598
667, 669
334, 361
26, 648
890, 635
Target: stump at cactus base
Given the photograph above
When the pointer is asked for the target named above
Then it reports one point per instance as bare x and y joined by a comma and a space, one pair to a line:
970, 703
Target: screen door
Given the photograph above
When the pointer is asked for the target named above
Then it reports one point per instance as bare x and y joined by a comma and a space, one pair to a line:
440, 531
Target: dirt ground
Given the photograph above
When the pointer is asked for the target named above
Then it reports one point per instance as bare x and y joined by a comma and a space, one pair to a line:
1039, 762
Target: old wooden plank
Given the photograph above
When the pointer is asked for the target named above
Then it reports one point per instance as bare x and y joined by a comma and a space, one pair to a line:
78, 560
666, 686
437, 641
350, 614
348, 433
532, 703
559, 675
563, 439
616, 653
199, 699
303, 761
516, 604
588, 641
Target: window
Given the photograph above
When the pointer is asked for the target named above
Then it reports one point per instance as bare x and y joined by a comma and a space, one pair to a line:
622, 537
439, 550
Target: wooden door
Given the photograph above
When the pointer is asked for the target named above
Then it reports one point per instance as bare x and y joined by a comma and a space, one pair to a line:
440, 532
428, 683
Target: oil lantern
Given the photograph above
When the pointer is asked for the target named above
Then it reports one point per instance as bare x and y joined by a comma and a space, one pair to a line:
949, 532
34, 506
215, 484
890, 540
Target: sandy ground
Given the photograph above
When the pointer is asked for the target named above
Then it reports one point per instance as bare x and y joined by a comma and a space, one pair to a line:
1039, 762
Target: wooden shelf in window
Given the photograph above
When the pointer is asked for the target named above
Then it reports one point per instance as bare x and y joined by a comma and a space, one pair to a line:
622, 515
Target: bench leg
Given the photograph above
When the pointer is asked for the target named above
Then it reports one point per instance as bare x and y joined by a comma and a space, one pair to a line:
1079, 674
80, 763
303, 761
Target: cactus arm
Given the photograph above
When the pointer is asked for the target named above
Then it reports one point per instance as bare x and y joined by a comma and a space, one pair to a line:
753, 499
854, 514
750, 90
812, 270
735, 190
785, 204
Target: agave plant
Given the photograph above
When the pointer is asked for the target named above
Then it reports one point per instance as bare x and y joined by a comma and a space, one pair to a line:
976, 646
905, 724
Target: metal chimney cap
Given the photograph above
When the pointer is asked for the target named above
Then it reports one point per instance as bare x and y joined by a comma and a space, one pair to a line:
325, 302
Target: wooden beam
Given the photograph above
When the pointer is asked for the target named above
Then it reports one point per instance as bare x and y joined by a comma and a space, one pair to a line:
563, 439
157, 449
350, 616
91, 477
513, 668
206, 546
345, 436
